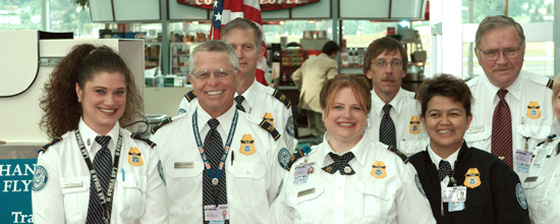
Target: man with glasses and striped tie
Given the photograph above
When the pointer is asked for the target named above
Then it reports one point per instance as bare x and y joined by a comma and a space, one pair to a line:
394, 117
511, 110
214, 143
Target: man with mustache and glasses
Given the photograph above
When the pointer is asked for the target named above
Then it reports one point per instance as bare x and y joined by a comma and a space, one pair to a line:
511, 111
394, 117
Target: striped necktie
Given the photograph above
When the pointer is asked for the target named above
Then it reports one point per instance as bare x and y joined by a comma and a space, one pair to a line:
444, 169
341, 164
502, 145
387, 133
102, 165
239, 103
214, 150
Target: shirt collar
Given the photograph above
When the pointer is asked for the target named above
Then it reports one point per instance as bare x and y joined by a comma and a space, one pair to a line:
436, 159
88, 135
250, 95
396, 102
225, 119
514, 89
360, 150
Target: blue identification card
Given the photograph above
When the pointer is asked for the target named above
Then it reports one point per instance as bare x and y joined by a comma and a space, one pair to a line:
456, 206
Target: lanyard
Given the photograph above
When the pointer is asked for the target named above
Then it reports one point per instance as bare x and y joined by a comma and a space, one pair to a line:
214, 173
106, 200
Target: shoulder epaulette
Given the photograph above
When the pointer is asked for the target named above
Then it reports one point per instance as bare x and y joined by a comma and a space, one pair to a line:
190, 95
399, 153
45, 147
300, 153
280, 96
166, 121
268, 127
416, 96
138, 137
550, 83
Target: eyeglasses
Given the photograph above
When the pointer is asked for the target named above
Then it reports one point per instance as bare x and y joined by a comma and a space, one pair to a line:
383, 64
218, 73
494, 54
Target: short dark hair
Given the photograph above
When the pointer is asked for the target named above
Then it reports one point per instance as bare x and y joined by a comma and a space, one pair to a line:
448, 86
384, 44
330, 47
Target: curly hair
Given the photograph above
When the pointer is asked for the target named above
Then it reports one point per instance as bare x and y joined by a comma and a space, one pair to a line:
445, 85
60, 100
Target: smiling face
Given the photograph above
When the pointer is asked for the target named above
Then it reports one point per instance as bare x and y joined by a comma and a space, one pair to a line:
386, 80
247, 51
503, 71
345, 120
215, 95
103, 101
446, 122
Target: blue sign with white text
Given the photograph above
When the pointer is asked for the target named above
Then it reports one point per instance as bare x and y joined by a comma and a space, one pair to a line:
16, 183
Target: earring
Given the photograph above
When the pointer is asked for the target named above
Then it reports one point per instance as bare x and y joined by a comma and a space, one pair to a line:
79, 100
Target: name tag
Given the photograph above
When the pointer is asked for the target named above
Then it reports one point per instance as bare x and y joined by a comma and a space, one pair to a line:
73, 184
183, 165
306, 192
476, 129
531, 179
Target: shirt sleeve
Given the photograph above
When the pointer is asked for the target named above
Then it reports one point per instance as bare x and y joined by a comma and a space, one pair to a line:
156, 197
280, 212
182, 106
296, 77
413, 206
289, 127
47, 199
276, 169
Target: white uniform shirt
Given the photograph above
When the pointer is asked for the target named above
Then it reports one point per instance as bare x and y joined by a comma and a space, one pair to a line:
259, 100
542, 186
252, 180
64, 197
358, 198
405, 112
527, 88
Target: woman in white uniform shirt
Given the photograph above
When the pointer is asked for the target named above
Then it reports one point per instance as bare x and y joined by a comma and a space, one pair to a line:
542, 183
84, 176
354, 180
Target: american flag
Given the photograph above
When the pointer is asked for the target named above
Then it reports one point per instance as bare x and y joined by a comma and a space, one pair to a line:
227, 10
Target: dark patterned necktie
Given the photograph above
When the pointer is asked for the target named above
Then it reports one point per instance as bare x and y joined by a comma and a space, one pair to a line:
214, 150
444, 170
501, 130
238, 103
341, 164
102, 165
387, 133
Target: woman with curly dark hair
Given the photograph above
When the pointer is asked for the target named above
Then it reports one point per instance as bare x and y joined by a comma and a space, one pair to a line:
83, 176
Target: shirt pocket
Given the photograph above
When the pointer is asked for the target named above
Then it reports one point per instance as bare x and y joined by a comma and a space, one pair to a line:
307, 204
478, 137
375, 202
248, 177
184, 185
76, 198
412, 146
132, 187
536, 134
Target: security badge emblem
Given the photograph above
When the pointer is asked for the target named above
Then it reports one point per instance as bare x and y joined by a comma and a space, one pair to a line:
268, 117
415, 125
378, 170
533, 110
472, 178
247, 145
135, 157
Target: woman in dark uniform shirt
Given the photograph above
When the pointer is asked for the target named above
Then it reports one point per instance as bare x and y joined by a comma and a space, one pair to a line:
463, 184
